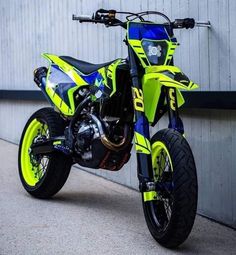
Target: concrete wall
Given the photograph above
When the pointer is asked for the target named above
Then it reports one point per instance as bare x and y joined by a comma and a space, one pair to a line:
30, 27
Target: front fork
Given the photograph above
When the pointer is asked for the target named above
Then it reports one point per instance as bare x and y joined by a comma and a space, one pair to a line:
141, 127
175, 121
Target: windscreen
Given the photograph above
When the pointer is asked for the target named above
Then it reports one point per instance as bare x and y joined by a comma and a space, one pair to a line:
139, 31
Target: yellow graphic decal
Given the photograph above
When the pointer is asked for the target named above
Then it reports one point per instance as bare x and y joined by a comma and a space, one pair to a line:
142, 144
138, 99
149, 196
56, 142
172, 99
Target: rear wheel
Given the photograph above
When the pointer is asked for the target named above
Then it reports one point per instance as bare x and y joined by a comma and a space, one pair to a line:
170, 212
42, 176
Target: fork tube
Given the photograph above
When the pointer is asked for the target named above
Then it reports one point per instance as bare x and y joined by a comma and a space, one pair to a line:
141, 127
174, 120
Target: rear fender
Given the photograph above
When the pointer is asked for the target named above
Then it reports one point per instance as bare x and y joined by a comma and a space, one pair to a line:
155, 78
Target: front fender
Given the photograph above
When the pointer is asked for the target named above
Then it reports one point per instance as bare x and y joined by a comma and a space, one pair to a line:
169, 76
155, 78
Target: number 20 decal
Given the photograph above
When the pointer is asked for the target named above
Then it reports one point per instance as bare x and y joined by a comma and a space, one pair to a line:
138, 99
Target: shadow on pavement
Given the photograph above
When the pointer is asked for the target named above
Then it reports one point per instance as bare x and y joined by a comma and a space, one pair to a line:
205, 238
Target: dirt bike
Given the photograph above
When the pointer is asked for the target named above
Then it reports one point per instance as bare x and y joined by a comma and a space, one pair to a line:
99, 109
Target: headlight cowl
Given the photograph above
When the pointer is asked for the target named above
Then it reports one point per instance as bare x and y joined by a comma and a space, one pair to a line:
155, 51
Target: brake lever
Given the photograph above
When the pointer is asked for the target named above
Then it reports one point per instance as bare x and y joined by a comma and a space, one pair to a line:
96, 16
102, 11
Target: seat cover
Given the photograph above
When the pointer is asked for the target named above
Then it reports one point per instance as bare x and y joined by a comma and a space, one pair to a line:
84, 67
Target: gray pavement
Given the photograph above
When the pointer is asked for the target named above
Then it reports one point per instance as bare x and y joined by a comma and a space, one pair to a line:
90, 215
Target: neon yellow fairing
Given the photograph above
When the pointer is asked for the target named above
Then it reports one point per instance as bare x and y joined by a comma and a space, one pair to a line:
66, 68
108, 80
154, 78
165, 75
69, 70
138, 48
26, 166
111, 74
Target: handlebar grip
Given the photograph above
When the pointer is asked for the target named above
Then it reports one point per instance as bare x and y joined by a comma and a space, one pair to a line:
82, 18
184, 23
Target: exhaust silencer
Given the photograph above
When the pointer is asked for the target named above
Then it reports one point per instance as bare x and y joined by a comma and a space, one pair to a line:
40, 75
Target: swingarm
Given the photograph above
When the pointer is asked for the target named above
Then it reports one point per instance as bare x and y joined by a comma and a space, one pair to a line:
42, 147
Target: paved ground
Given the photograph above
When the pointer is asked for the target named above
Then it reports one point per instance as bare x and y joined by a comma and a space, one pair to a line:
89, 216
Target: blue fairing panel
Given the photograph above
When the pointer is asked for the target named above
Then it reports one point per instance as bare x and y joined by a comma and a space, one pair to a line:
90, 78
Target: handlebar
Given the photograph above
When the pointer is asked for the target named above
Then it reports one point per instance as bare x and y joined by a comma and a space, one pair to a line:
103, 16
108, 18
189, 23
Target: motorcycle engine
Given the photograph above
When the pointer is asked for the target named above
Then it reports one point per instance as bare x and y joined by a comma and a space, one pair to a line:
85, 132
91, 150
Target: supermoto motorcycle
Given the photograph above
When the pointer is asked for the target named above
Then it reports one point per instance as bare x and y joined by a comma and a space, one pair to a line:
99, 110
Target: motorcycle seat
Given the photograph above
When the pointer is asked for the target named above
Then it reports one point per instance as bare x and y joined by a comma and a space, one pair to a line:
84, 67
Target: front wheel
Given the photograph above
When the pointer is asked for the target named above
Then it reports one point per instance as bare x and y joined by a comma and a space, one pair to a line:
170, 213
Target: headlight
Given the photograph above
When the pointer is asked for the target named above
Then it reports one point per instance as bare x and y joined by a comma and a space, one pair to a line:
155, 51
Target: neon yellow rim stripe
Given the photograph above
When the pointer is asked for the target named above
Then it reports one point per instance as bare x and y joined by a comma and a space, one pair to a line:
26, 167
157, 147
149, 196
